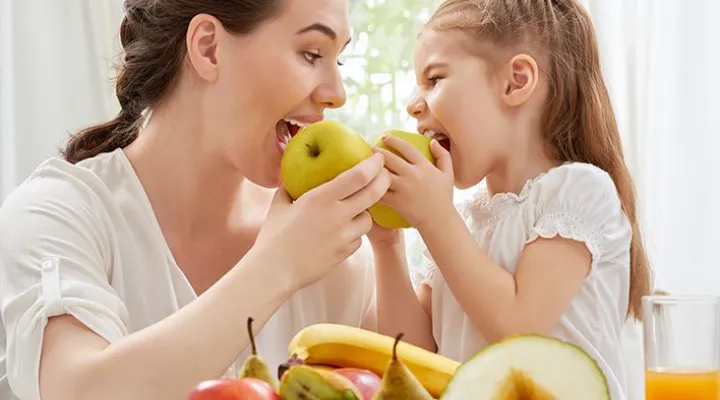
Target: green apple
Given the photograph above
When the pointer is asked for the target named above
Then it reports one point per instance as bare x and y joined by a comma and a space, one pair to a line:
532, 367
384, 215
318, 153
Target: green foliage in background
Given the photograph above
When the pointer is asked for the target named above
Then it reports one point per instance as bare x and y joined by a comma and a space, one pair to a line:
378, 70
378, 73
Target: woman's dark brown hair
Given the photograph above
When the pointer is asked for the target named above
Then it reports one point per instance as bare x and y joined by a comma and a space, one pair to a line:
579, 122
152, 35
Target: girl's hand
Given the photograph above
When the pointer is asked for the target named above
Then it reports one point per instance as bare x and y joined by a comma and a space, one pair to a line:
418, 189
379, 236
324, 226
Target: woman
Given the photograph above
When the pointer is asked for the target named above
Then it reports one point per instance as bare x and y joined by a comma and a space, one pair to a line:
119, 271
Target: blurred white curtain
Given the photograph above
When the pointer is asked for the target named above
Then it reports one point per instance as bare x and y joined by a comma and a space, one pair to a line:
661, 59
55, 77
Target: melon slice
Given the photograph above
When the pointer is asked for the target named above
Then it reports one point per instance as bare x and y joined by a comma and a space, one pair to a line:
529, 367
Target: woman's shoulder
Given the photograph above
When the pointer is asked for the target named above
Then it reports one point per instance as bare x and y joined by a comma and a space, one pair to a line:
58, 181
58, 197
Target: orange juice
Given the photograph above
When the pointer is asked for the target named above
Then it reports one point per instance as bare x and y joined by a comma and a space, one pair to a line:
681, 385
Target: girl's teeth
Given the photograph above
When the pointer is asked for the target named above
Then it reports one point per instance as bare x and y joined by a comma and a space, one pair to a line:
430, 134
296, 123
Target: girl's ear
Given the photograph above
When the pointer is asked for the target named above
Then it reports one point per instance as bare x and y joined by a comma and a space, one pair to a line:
520, 80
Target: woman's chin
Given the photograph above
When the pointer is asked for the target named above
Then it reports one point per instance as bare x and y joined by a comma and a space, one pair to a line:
268, 177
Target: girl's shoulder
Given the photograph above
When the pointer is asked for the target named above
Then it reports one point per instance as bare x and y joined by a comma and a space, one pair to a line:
575, 189
578, 201
573, 185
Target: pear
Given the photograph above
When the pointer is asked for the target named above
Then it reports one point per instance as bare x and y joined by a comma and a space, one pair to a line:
303, 382
398, 383
254, 366
529, 367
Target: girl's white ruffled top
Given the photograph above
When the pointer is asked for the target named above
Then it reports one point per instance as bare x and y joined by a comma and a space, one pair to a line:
576, 201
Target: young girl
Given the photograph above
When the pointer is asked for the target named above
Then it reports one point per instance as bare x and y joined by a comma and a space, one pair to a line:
512, 93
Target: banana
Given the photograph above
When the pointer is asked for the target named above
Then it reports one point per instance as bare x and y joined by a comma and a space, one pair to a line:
346, 346
302, 382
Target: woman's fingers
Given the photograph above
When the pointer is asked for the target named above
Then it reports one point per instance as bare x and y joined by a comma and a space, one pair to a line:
352, 180
359, 226
369, 195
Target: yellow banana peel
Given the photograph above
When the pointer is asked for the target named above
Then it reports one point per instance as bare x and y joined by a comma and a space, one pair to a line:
346, 346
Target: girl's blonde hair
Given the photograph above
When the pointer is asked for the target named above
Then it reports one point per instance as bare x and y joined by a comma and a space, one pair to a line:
579, 123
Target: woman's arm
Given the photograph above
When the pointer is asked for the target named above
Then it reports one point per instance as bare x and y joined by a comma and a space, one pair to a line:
199, 342
398, 306
165, 360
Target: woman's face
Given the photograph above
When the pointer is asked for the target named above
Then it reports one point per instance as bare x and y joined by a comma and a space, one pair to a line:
274, 80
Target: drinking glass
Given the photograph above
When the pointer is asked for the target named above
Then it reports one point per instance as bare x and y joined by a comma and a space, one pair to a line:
682, 347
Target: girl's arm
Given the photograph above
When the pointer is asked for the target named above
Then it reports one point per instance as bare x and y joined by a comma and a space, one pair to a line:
398, 306
548, 275
575, 205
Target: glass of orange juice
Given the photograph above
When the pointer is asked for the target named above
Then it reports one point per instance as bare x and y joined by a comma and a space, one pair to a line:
682, 347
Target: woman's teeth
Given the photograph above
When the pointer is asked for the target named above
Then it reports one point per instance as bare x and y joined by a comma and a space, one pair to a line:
296, 123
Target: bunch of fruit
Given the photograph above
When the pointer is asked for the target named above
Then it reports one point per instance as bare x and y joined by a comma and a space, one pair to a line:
325, 149
329, 362
337, 362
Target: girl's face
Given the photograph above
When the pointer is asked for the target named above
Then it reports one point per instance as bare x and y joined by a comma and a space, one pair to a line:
460, 102
274, 80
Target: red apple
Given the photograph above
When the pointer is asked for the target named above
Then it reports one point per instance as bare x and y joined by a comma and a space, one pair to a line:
233, 389
365, 381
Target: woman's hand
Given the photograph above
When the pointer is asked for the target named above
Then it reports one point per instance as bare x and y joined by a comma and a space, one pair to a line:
325, 225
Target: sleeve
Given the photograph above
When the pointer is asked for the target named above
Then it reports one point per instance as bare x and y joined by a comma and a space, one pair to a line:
578, 202
369, 292
426, 271
53, 258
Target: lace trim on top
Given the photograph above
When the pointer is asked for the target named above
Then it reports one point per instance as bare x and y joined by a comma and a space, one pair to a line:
425, 274
570, 227
480, 212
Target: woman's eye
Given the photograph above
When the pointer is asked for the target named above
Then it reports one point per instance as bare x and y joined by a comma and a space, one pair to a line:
311, 57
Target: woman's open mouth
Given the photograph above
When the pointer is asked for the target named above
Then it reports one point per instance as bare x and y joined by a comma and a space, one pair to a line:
441, 138
286, 129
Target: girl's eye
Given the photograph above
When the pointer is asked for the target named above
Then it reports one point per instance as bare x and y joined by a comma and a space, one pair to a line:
434, 80
311, 57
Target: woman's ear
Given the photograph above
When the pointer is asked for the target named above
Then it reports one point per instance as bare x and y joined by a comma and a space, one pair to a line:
520, 80
202, 45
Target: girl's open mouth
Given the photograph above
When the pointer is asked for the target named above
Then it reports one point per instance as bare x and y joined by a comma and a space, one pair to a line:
441, 138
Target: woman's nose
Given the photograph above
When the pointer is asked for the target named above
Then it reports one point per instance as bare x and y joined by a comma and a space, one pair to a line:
331, 93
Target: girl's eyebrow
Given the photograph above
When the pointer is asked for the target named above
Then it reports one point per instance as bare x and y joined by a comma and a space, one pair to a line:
431, 66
